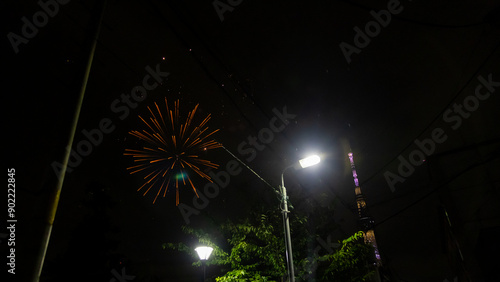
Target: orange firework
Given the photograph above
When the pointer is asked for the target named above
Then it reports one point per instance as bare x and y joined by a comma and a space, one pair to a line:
172, 150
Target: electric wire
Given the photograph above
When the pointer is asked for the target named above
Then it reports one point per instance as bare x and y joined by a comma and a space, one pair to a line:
417, 22
425, 196
474, 75
249, 168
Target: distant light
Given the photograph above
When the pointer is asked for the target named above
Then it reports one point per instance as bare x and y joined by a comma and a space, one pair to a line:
204, 252
163, 58
309, 161
180, 175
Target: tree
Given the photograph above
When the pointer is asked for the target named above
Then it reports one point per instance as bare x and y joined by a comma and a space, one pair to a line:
256, 250
354, 261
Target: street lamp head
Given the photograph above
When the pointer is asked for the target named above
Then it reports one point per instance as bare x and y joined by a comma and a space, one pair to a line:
204, 252
309, 161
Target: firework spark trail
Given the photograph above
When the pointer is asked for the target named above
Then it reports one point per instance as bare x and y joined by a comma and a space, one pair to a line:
172, 148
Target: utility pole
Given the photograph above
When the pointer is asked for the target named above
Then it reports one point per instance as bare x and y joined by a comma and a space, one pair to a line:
57, 193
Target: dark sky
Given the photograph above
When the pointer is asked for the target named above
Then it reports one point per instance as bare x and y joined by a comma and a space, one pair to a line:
384, 86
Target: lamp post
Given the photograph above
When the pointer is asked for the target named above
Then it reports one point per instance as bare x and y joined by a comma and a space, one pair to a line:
204, 254
303, 163
309, 161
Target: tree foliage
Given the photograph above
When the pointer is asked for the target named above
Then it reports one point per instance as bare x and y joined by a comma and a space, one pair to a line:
255, 251
354, 261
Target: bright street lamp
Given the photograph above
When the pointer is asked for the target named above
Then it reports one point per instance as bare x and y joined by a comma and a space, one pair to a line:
303, 163
204, 253
309, 161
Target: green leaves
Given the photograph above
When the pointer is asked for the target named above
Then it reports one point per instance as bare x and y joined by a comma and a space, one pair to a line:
242, 275
352, 262
255, 251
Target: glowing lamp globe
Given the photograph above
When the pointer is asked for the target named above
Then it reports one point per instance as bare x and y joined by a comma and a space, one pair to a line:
204, 252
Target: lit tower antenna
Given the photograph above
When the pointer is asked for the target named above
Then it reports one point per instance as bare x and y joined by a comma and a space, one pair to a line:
365, 221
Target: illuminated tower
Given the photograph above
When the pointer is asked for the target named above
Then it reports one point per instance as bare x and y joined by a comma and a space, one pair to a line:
365, 221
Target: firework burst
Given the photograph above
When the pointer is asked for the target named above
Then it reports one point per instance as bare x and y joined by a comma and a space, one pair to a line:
171, 151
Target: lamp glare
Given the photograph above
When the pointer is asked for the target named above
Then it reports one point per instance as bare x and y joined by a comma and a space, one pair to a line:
309, 161
204, 252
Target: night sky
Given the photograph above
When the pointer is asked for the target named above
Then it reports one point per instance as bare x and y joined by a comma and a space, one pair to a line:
411, 86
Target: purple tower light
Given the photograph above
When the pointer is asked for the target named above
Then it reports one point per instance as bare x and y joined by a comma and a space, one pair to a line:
365, 221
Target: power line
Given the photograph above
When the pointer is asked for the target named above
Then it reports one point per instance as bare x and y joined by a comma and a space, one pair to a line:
228, 73
435, 156
200, 63
417, 22
493, 157
436, 117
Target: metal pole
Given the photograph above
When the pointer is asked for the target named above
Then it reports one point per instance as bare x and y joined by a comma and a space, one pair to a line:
286, 223
55, 199
204, 263
288, 240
